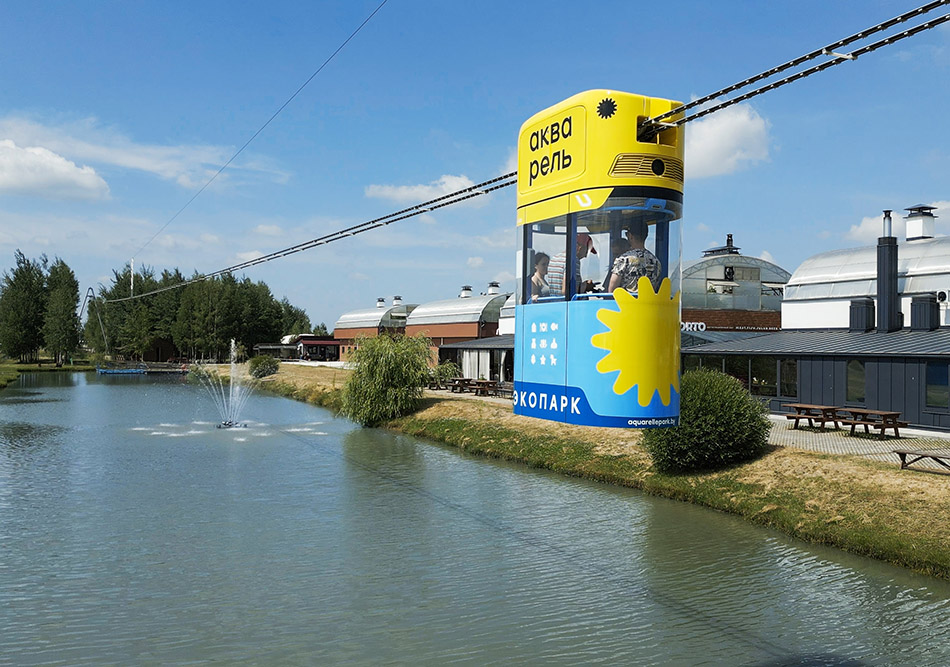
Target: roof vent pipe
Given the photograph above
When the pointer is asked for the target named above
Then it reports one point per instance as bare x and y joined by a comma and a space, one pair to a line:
466, 292
493, 287
397, 300
888, 300
381, 302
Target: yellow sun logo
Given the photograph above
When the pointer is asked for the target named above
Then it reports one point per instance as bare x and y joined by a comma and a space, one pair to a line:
643, 341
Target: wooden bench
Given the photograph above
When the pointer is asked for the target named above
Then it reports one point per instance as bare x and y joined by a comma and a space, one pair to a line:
882, 427
942, 457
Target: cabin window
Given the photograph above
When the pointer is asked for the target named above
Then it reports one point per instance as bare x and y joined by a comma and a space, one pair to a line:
545, 245
938, 385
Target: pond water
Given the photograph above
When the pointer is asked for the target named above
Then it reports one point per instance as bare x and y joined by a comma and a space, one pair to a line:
132, 530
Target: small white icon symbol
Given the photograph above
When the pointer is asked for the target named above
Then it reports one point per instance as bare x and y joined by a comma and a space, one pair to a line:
583, 200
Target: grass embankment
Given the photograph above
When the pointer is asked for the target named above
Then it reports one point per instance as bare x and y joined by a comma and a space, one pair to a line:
10, 370
865, 507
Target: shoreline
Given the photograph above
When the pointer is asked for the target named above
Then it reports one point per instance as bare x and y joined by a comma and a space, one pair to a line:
860, 505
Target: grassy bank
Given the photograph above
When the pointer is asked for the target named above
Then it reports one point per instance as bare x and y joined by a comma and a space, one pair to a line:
865, 507
10, 370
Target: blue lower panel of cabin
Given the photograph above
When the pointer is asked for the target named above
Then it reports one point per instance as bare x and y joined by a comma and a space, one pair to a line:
570, 367
570, 405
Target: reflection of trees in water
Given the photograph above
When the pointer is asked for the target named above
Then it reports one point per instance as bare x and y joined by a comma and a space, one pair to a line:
47, 379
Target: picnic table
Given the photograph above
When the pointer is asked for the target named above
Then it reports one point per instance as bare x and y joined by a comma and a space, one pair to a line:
486, 387
461, 385
813, 413
877, 419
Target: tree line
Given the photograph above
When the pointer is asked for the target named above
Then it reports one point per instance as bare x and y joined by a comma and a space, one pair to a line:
196, 321
39, 300
38, 303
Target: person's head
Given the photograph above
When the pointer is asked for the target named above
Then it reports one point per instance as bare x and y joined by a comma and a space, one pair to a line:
541, 261
584, 245
637, 232
618, 246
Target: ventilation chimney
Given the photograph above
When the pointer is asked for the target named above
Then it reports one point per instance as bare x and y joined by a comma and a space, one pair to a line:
924, 313
862, 314
466, 292
381, 302
493, 288
921, 222
888, 300
397, 300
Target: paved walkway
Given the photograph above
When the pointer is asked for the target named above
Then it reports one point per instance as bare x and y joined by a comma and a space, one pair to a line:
840, 441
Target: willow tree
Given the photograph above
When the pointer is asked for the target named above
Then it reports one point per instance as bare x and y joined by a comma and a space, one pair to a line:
388, 379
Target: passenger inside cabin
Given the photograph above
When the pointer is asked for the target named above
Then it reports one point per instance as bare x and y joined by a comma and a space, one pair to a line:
583, 245
539, 284
635, 262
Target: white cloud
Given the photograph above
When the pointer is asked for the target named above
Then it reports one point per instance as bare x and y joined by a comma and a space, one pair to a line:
767, 256
416, 194
269, 230
475, 262
871, 227
249, 255
726, 141
88, 141
511, 164
359, 276
703, 227
38, 171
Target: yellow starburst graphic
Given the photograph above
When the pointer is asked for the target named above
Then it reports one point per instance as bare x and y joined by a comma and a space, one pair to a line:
643, 341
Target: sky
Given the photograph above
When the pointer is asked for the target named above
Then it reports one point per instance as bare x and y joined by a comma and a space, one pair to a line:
113, 115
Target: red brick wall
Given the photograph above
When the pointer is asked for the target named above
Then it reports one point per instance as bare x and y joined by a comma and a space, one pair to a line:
735, 320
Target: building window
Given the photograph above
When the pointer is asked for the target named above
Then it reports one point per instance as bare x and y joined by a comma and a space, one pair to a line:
713, 363
738, 367
788, 375
764, 380
938, 387
855, 392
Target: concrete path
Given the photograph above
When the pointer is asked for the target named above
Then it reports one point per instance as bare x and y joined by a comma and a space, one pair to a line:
840, 441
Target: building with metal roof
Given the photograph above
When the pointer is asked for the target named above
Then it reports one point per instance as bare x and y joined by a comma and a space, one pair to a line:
852, 346
820, 291
467, 317
726, 290
371, 322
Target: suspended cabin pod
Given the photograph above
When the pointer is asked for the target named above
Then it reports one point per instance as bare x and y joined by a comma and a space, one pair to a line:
599, 263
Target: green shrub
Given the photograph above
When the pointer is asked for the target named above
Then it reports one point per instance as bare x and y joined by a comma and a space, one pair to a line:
446, 371
262, 366
721, 424
388, 378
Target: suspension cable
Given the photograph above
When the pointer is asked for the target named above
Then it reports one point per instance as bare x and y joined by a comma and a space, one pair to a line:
647, 129
456, 197
262, 128
653, 125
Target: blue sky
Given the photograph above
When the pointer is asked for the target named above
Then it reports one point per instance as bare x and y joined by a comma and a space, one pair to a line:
113, 114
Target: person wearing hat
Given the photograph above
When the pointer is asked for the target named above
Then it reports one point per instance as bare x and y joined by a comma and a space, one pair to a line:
557, 268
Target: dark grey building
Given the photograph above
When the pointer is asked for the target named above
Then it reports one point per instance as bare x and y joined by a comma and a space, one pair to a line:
905, 370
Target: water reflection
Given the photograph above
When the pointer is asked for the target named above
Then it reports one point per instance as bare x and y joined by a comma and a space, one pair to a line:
143, 534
